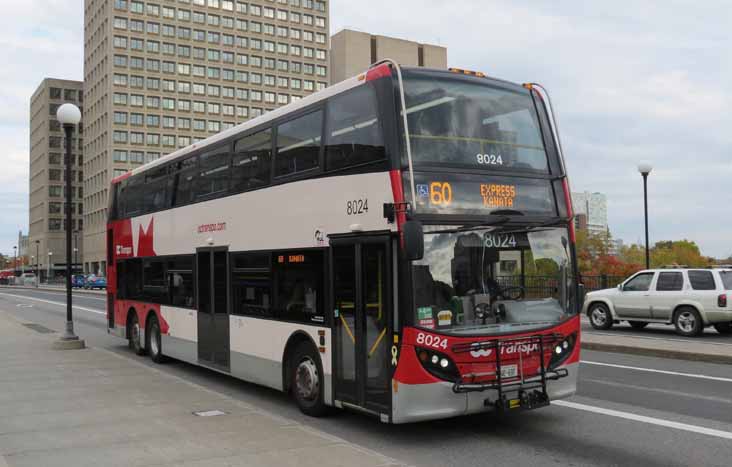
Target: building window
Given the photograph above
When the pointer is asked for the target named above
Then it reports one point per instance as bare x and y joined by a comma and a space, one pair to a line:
54, 224
119, 155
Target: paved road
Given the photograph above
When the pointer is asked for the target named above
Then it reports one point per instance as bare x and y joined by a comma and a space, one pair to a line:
657, 331
629, 410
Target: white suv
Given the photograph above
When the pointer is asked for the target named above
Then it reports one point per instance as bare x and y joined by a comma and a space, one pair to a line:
690, 299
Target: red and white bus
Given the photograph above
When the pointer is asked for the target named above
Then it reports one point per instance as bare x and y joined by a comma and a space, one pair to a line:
400, 244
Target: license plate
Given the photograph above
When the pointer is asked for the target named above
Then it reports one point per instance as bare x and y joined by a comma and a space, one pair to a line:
509, 371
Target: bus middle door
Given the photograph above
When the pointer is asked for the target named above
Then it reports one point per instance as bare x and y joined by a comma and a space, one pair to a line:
361, 287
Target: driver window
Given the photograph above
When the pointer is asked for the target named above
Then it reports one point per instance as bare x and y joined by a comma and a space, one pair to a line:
640, 283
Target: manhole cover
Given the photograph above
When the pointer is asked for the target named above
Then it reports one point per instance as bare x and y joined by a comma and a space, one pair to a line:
38, 328
209, 413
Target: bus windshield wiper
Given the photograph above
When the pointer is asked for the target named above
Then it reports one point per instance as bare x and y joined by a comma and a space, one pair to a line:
471, 227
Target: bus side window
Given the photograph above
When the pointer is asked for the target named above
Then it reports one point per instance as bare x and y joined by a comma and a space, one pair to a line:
154, 288
251, 284
299, 286
213, 173
185, 181
180, 281
251, 161
353, 131
298, 144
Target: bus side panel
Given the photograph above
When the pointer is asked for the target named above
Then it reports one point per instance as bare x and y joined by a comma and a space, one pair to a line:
257, 347
181, 339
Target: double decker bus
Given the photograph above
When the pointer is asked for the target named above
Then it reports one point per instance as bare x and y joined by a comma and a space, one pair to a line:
399, 244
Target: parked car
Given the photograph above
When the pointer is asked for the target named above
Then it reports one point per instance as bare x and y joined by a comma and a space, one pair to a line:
78, 281
27, 278
95, 282
690, 299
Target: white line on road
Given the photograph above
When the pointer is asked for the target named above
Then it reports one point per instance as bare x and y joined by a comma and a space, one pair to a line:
665, 372
643, 419
76, 307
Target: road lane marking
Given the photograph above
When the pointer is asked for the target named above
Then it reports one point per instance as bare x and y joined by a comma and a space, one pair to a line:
695, 396
643, 419
23, 297
665, 372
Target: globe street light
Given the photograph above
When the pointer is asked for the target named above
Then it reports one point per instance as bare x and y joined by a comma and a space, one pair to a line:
69, 116
645, 167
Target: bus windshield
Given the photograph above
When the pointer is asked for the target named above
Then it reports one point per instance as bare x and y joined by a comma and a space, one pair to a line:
464, 123
493, 280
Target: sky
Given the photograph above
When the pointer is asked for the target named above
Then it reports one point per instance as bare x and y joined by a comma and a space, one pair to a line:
630, 81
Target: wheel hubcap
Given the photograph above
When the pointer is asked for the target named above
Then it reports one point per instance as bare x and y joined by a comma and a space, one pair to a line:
154, 339
307, 383
598, 316
136, 334
687, 321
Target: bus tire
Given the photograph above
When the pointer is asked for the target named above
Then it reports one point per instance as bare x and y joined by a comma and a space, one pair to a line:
153, 340
600, 317
688, 322
133, 334
307, 380
638, 324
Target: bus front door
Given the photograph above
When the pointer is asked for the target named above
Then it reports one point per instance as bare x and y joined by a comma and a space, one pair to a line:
361, 285
212, 280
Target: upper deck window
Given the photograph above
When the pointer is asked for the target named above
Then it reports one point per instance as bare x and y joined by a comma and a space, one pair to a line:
298, 144
467, 124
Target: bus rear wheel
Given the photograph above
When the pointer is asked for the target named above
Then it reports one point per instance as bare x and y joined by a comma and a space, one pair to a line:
307, 380
154, 341
133, 334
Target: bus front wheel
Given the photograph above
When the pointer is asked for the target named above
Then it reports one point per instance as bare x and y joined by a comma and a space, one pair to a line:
307, 380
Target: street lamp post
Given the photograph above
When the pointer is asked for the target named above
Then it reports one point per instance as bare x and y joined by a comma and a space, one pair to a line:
15, 262
645, 168
76, 247
50, 263
69, 116
38, 266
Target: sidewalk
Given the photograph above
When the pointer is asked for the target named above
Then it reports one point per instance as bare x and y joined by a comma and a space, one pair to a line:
94, 408
688, 349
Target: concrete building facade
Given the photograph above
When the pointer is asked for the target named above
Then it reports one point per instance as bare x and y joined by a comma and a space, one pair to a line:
353, 51
594, 207
46, 220
162, 75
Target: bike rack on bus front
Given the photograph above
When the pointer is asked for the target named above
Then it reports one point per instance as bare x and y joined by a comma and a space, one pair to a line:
532, 392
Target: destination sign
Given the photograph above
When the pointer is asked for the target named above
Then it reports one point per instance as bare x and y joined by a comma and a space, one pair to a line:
476, 194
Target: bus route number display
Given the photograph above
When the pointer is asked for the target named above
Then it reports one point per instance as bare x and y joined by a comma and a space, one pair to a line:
493, 195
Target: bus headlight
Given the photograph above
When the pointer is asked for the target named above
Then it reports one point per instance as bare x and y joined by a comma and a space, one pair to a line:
562, 351
438, 364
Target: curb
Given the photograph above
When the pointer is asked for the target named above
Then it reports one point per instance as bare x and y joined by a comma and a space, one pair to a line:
663, 353
53, 289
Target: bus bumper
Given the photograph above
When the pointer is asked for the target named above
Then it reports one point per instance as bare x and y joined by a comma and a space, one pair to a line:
420, 402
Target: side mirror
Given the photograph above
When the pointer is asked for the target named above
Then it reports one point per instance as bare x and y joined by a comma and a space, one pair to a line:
413, 240
582, 294
620, 287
